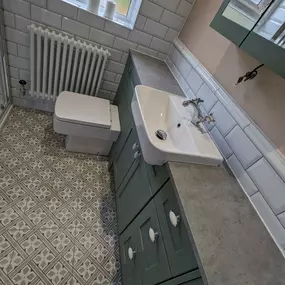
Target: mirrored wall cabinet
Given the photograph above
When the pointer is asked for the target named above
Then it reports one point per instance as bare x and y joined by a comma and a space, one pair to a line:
256, 26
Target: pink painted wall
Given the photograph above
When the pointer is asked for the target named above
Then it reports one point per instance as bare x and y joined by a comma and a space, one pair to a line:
263, 99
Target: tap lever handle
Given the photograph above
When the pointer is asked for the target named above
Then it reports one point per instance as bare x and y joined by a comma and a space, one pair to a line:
197, 101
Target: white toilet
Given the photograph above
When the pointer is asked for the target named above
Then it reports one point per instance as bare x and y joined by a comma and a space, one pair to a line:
90, 123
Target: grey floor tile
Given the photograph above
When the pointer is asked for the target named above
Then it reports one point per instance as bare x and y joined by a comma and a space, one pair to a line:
57, 209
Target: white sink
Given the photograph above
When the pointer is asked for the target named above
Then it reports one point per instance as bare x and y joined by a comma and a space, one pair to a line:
158, 110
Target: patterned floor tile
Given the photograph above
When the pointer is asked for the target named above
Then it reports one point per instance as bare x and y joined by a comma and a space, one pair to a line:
57, 273
87, 269
100, 252
57, 209
4, 244
88, 240
75, 228
61, 242
37, 216
44, 258
25, 276
15, 192
8, 216
73, 255
49, 229
19, 230
31, 244
26, 204
10, 261
53, 204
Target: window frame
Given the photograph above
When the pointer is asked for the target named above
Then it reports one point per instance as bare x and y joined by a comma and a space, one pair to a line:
257, 7
127, 21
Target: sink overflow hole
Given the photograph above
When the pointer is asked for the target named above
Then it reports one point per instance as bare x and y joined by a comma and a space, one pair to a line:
160, 134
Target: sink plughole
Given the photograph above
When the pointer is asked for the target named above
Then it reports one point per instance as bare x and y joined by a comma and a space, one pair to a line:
165, 130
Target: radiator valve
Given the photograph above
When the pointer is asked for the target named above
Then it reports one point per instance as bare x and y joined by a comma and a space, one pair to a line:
23, 87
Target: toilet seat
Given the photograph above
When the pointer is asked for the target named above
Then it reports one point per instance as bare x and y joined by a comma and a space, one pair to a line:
84, 110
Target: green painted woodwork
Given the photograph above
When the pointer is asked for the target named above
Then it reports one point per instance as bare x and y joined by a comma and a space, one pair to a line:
229, 29
125, 158
118, 146
154, 264
191, 278
136, 184
123, 100
131, 269
150, 265
133, 194
178, 246
158, 175
124, 114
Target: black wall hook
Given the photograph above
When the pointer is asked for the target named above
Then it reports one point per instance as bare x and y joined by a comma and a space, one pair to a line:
249, 75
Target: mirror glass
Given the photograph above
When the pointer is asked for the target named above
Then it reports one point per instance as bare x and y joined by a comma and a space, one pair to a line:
246, 13
272, 24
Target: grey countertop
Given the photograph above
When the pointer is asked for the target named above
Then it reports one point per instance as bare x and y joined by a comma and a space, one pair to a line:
232, 245
155, 73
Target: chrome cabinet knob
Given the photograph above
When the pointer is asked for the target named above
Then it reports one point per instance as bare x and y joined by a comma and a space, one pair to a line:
174, 219
137, 155
152, 235
135, 146
131, 253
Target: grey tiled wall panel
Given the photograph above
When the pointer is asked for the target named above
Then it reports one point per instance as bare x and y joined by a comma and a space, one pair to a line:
158, 23
244, 149
269, 184
255, 162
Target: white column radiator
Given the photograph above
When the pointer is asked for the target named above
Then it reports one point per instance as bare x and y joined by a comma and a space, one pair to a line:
59, 63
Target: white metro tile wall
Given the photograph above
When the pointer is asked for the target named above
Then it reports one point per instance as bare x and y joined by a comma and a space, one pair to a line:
221, 143
208, 96
158, 23
224, 121
244, 149
255, 162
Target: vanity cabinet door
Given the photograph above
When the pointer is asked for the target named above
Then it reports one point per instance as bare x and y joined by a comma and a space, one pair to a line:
177, 243
126, 157
155, 268
130, 265
133, 194
191, 278
158, 175
149, 265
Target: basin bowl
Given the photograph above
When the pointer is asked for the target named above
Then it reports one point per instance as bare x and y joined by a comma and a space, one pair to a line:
166, 132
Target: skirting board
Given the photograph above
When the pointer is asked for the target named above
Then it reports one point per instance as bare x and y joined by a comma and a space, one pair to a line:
5, 115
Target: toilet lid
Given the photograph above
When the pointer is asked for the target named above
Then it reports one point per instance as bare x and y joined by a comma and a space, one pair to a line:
83, 109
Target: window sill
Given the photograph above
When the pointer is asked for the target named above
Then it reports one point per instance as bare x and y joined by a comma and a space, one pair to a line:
127, 22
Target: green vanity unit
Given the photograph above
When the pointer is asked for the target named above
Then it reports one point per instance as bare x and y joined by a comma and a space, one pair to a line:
144, 197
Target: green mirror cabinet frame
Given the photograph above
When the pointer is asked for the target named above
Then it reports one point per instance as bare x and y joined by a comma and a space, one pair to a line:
267, 52
229, 29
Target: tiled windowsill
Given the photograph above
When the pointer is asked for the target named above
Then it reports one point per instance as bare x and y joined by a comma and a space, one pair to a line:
118, 19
